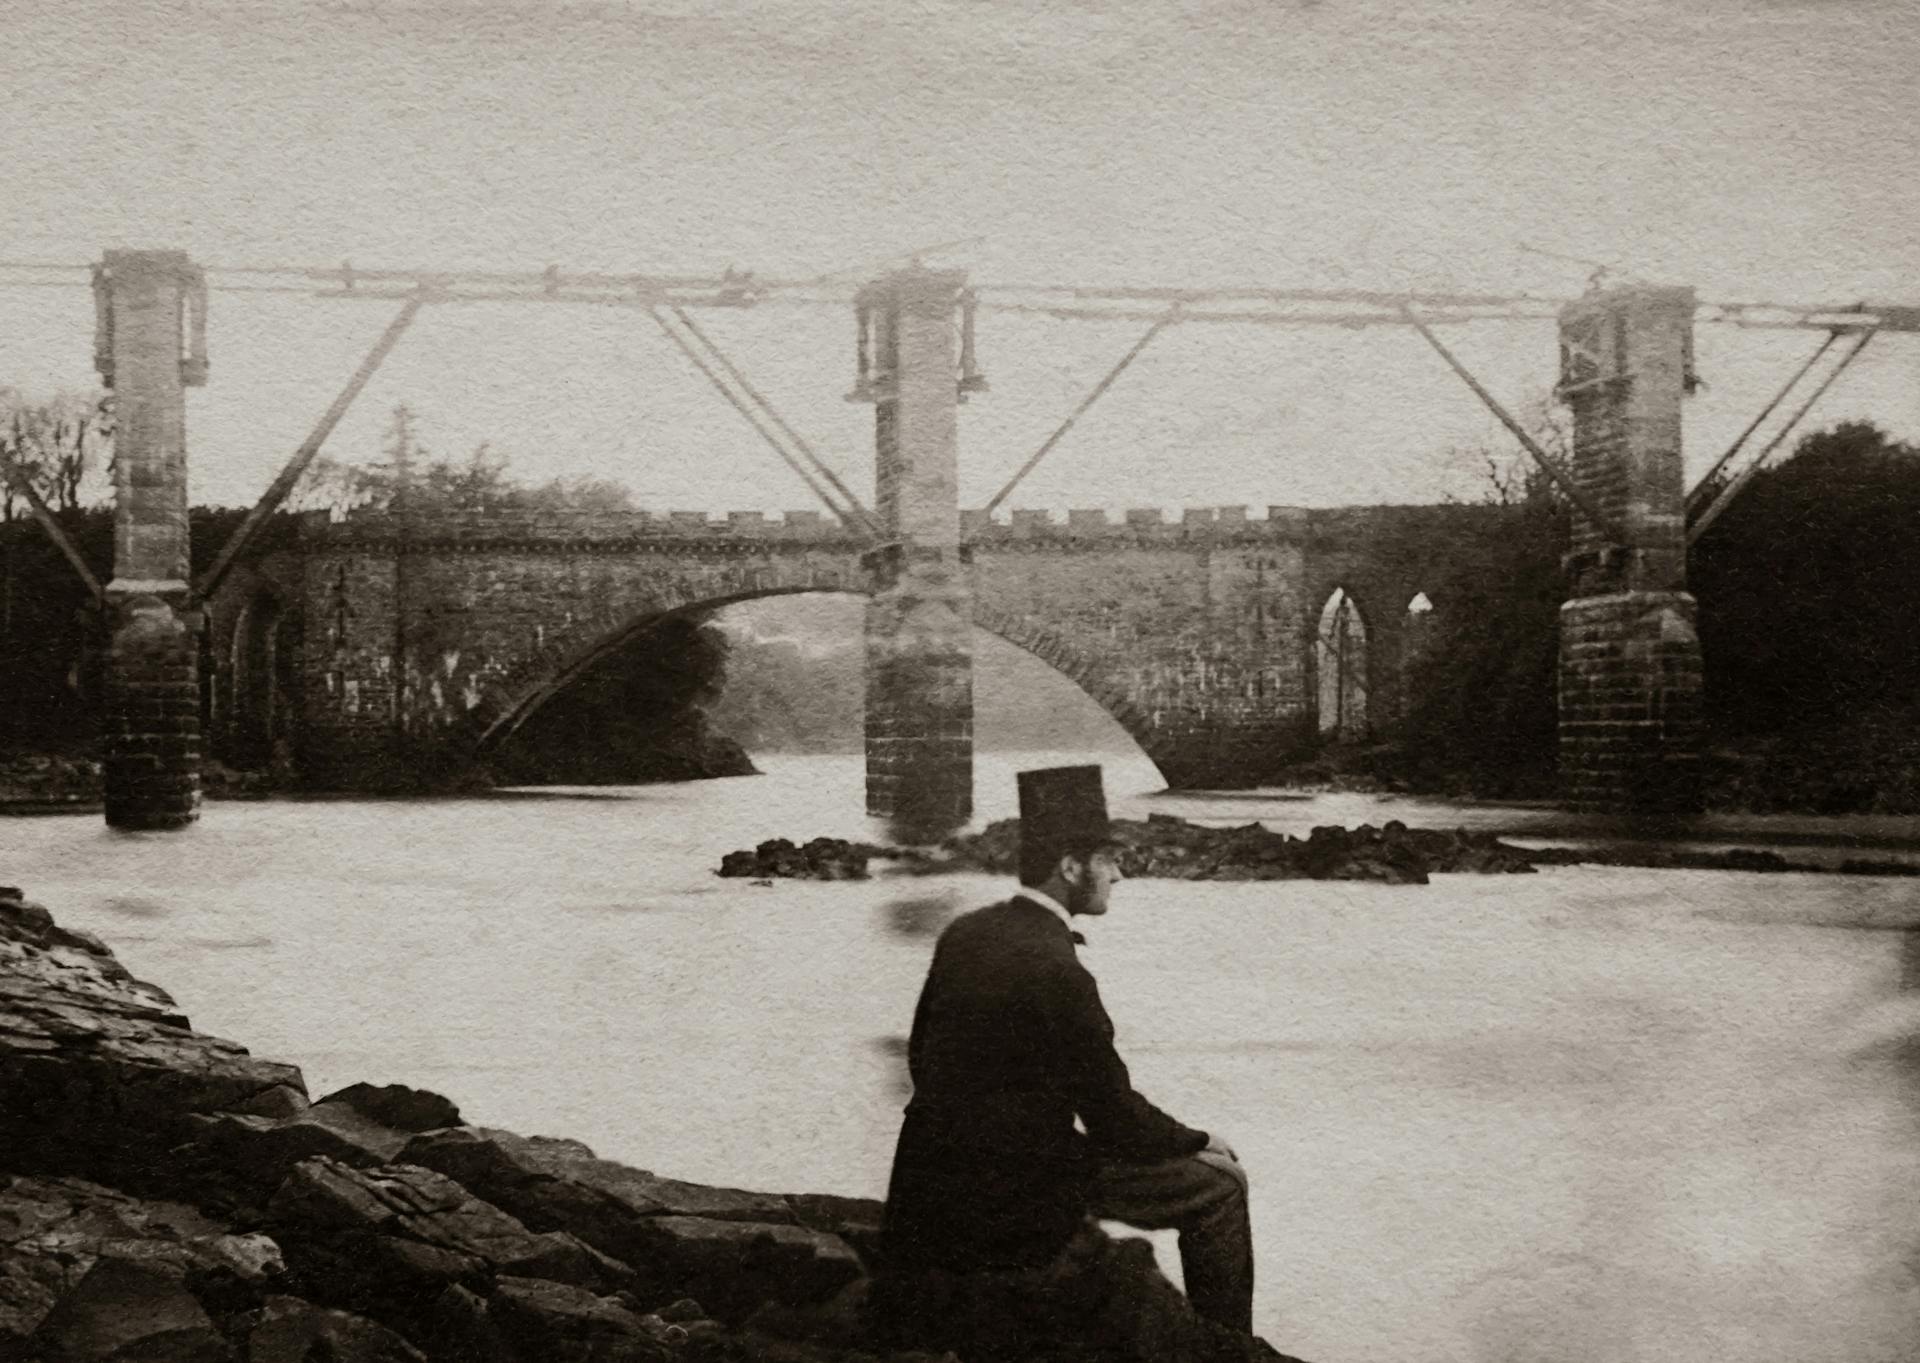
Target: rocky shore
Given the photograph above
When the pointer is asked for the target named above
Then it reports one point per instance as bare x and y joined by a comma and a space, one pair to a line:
166, 1196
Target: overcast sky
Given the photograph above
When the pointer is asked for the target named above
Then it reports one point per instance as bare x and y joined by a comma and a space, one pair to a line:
1751, 149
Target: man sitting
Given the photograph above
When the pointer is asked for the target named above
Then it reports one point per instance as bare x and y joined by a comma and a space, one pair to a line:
993, 1185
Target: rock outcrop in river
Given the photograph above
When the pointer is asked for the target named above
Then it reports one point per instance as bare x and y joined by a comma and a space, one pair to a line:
1167, 848
165, 1197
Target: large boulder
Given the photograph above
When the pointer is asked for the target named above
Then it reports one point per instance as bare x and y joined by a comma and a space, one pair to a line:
1103, 1301
100, 1071
729, 1248
238, 1160
76, 1257
550, 1320
390, 1238
394, 1107
290, 1330
545, 1182
816, 859
122, 1311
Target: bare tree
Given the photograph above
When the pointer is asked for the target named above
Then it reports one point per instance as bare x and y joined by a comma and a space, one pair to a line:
62, 444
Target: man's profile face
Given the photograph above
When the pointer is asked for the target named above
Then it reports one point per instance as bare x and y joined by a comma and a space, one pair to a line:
1090, 880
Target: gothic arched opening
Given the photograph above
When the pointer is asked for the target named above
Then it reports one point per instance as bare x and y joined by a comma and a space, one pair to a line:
1340, 663
264, 676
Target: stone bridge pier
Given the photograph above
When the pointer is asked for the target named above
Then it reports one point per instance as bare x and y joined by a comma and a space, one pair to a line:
1220, 643
919, 616
148, 349
1630, 667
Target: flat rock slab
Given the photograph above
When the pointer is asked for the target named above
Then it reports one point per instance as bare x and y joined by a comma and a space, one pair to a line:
551, 1320
729, 1248
400, 1228
121, 1310
99, 1069
545, 1181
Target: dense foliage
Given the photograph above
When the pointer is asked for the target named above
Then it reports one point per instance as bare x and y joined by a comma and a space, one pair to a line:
639, 714
1804, 588
411, 477
1481, 710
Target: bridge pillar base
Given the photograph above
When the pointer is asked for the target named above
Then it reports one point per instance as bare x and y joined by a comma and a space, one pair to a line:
152, 716
1630, 667
1630, 683
919, 624
150, 319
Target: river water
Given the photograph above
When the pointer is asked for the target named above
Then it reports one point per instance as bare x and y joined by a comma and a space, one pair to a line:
1590, 1114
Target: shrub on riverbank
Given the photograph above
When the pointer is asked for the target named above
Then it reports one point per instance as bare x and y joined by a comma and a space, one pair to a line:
1812, 668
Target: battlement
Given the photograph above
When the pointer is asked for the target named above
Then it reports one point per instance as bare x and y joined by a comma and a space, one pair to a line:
591, 526
1139, 525
1227, 524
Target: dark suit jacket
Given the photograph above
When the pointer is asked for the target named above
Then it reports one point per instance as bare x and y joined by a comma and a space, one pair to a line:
1010, 1043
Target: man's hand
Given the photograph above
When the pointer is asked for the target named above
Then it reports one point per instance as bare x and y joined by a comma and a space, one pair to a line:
1220, 1155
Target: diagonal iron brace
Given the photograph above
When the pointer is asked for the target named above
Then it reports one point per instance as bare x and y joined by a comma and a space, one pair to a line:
847, 516
1561, 479
759, 400
283, 483
1160, 324
1697, 526
23, 485
1702, 490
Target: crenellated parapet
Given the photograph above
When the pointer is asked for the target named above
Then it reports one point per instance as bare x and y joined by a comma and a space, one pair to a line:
1196, 629
1216, 525
582, 529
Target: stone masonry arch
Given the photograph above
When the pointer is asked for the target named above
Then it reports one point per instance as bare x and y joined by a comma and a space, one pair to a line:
1077, 666
426, 639
550, 670
1342, 670
1196, 636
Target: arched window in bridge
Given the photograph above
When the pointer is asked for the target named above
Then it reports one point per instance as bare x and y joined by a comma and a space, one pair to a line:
264, 674
1416, 639
1340, 659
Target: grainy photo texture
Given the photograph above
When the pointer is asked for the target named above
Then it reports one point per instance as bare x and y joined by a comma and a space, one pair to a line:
950, 680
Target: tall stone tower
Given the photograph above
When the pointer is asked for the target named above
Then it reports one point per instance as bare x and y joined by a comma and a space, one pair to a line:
1630, 671
150, 344
919, 617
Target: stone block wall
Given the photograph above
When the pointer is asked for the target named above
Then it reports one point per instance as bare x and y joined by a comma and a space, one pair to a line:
1630, 665
152, 717
151, 738
1630, 683
1192, 648
1196, 632
427, 646
919, 691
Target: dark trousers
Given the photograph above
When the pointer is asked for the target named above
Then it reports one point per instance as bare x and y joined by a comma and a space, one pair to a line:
1207, 1205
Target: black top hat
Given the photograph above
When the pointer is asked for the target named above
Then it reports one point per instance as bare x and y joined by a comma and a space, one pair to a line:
1062, 810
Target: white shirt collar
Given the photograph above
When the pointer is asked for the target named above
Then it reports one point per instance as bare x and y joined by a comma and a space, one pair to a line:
1047, 902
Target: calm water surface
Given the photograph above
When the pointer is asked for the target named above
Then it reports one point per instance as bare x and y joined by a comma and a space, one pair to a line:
1591, 1114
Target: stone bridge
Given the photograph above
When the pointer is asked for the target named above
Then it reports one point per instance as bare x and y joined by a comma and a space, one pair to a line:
1219, 641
